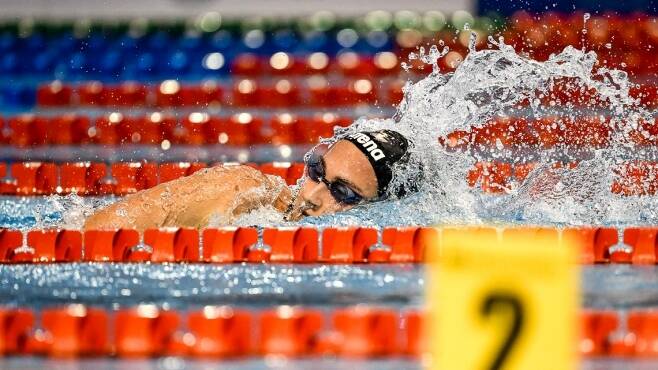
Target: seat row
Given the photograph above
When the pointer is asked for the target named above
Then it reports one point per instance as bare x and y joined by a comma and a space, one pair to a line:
317, 91
632, 178
211, 331
589, 132
343, 245
289, 331
164, 130
551, 32
242, 129
121, 178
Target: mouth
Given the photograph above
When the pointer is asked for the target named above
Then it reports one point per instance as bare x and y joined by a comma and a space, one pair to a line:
293, 214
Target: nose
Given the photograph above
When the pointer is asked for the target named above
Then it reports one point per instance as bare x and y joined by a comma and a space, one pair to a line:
314, 193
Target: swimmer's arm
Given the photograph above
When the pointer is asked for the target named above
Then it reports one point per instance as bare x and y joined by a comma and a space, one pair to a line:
192, 200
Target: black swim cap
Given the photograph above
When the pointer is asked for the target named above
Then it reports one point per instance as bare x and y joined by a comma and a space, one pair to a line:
383, 148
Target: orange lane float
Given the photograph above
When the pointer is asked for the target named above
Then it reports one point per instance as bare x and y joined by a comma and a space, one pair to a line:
339, 245
360, 331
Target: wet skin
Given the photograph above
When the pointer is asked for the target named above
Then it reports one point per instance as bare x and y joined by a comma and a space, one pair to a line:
218, 195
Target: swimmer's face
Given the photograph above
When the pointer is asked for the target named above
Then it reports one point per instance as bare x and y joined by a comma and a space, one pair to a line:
343, 163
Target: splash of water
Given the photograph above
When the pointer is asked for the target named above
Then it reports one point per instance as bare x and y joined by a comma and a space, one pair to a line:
497, 83
491, 84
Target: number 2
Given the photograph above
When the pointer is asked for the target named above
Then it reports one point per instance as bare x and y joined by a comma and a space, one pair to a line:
488, 308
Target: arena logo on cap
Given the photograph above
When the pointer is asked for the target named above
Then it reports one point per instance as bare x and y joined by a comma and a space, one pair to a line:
369, 145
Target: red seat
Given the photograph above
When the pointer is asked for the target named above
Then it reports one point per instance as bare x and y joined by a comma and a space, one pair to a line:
276, 168
309, 131
282, 93
228, 244
347, 244
386, 63
366, 332
321, 93
106, 129
82, 178
394, 94
247, 93
131, 177
204, 95
35, 178
148, 129
289, 331
295, 172
175, 170
5, 135
636, 178
28, 130
361, 91
7, 182
54, 94
647, 94
496, 177
126, 94
449, 62
283, 129
220, 331
247, 64
292, 244
91, 93
522, 170
195, 128
284, 64
240, 129
168, 94
352, 64
316, 63
68, 129
589, 132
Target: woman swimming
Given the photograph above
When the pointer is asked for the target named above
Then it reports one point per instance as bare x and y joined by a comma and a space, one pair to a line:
358, 168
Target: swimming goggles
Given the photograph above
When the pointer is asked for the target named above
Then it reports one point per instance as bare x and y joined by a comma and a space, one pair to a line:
342, 193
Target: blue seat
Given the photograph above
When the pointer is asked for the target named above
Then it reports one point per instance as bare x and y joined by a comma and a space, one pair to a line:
34, 42
221, 41
285, 40
174, 64
43, 63
9, 63
157, 41
7, 42
17, 95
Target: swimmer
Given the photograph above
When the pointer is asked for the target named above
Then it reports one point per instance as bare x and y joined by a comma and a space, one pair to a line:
357, 168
